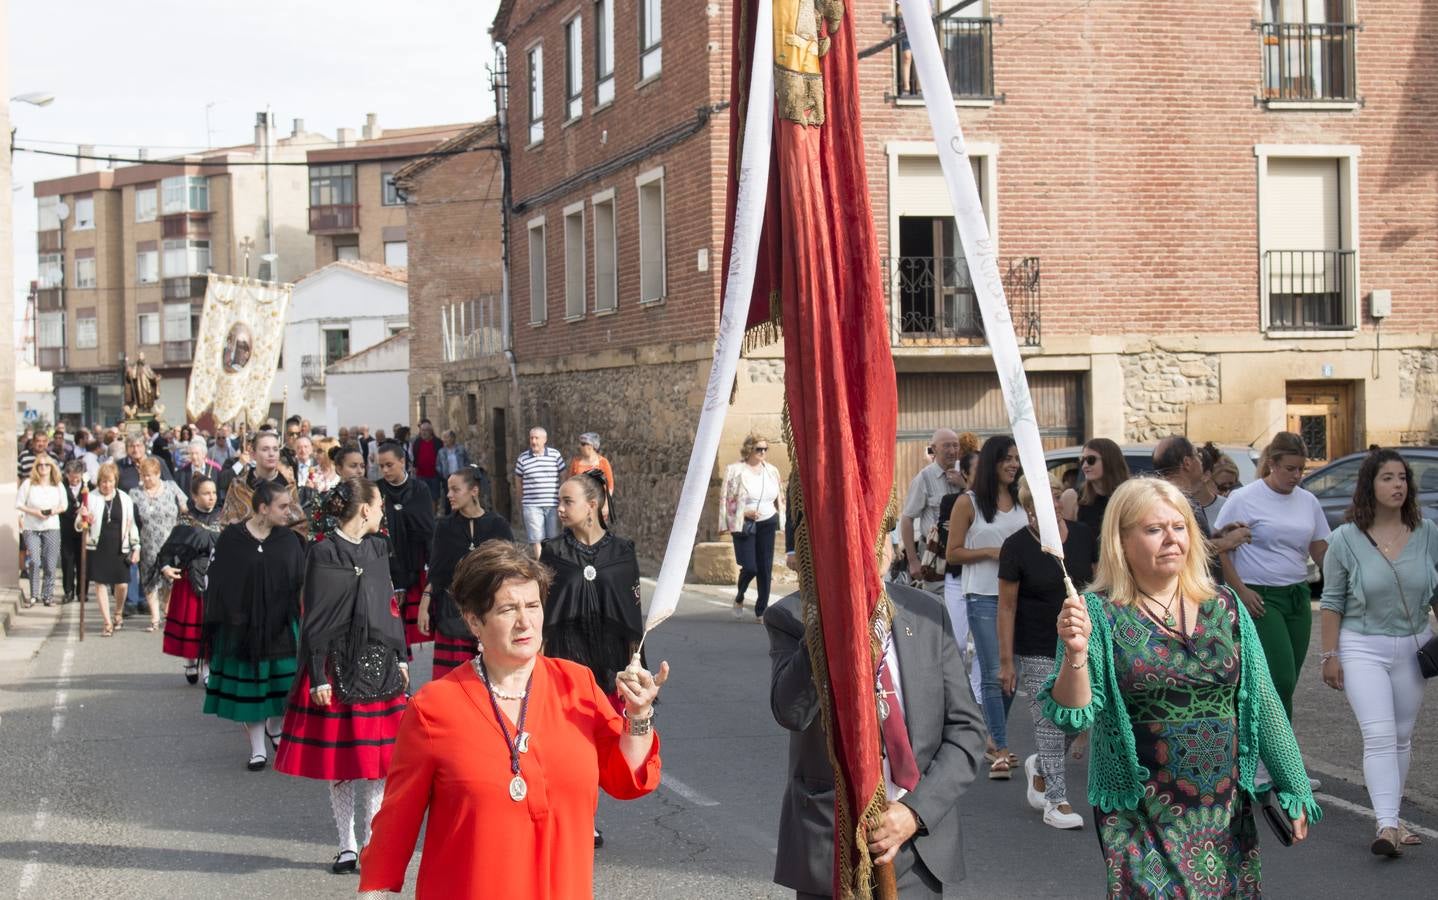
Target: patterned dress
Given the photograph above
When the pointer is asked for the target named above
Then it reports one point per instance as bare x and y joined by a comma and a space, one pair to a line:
1193, 833
158, 515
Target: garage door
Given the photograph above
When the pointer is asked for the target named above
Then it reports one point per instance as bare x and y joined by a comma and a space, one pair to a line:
973, 401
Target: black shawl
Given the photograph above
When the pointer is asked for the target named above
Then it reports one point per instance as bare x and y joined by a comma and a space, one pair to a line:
454, 537
189, 544
349, 603
253, 594
592, 616
409, 521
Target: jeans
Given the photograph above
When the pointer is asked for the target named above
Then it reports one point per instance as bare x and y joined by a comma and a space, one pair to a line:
1385, 689
958, 606
984, 625
541, 523
42, 552
1283, 630
755, 555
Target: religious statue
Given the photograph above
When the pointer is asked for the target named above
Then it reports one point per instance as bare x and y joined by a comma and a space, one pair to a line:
141, 387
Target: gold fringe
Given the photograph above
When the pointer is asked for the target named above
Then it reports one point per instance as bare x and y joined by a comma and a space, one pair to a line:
769, 332
798, 97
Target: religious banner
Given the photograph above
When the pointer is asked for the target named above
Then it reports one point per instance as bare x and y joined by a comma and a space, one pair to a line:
242, 330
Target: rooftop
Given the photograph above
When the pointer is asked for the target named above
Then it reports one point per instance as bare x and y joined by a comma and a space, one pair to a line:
393, 274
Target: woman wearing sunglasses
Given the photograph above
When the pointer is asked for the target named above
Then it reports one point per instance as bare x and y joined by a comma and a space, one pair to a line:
752, 511
41, 500
1104, 469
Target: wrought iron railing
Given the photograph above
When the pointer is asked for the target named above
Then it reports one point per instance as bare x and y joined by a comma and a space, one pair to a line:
1313, 62
471, 329
1309, 290
967, 45
932, 300
334, 217
312, 371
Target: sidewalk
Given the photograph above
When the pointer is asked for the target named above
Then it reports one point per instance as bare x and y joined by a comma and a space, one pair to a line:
23, 631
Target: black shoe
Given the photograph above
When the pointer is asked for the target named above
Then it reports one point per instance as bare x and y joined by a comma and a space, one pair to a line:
346, 861
192, 672
598, 839
257, 762
275, 739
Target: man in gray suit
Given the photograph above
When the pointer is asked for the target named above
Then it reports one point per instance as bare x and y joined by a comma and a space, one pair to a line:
920, 833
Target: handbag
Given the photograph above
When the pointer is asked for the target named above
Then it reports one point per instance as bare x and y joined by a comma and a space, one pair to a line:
932, 559
372, 674
1428, 653
1277, 820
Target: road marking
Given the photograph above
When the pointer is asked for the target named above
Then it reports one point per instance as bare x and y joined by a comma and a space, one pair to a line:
31, 870
685, 791
1355, 777
1360, 809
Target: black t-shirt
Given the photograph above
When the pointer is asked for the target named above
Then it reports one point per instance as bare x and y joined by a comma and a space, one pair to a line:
1091, 515
1041, 584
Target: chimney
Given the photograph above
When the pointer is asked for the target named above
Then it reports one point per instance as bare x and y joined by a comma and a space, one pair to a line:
264, 133
346, 137
299, 128
84, 165
371, 126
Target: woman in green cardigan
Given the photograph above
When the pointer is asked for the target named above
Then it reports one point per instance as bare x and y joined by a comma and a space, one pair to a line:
1181, 705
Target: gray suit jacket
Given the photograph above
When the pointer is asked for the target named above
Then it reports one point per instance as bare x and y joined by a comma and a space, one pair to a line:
945, 727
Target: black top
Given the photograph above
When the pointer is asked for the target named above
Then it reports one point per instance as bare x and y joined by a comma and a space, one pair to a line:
1041, 584
409, 520
592, 616
454, 536
348, 603
252, 595
1091, 515
189, 544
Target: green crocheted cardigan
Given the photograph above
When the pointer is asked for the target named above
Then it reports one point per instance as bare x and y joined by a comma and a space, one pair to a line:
1115, 779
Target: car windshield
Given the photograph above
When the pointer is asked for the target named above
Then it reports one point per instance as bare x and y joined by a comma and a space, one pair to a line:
1337, 480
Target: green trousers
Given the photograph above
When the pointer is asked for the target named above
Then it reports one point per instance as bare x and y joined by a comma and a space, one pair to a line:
1283, 630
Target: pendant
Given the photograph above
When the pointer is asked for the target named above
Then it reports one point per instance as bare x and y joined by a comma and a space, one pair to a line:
517, 788
883, 709
471, 547
1168, 620
589, 573
398, 507
523, 743
260, 548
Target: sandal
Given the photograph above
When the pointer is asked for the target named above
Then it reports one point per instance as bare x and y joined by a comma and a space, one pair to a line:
107, 631
999, 770
1408, 838
152, 627
1387, 843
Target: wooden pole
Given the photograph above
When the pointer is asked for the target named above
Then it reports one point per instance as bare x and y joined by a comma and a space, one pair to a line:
886, 884
84, 585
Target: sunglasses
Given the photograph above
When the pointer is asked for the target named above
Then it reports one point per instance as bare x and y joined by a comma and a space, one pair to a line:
761, 449
1089, 460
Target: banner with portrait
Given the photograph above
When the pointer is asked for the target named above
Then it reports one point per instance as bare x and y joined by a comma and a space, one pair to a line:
242, 329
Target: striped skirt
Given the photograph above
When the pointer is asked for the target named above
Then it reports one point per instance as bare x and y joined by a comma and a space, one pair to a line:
451, 653
338, 742
182, 622
248, 692
410, 612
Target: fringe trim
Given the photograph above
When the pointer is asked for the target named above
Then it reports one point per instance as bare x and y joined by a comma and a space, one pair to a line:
767, 333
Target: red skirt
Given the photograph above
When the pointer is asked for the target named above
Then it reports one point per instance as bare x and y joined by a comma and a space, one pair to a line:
451, 653
183, 621
338, 742
410, 611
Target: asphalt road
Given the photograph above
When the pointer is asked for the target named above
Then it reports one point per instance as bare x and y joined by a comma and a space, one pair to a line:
112, 784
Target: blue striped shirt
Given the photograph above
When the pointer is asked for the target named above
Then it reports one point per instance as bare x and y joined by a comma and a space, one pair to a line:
540, 476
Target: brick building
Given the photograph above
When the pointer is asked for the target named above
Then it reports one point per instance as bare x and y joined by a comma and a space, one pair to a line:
125, 254
355, 211
1214, 219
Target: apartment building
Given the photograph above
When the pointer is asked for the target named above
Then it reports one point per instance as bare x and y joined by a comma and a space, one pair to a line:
356, 212
125, 255
1216, 220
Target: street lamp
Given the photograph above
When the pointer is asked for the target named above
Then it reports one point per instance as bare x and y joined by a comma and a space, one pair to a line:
34, 98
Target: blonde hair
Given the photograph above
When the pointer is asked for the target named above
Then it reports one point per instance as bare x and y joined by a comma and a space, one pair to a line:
45, 458
1026, 494
148, 466
1224, 463
751, 440
108, 470
1285, 443
1130, 502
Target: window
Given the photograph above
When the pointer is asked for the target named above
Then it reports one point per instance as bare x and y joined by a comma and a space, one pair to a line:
85, 272
147, 203
86, 332
332, 185
390, 195
396, 253
536, 95
50, 330
149, 328
337, 344
651, 236
1307, 239
52, 270
649, 35
147, 265
347, 251
84, 212
471, 403
177, 321
574, 262
538, 308
606, 254
603, 52
1309, 52
49, 213
573, 69
184, 193
186, 258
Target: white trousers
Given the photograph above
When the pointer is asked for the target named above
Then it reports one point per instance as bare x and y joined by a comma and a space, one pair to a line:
958, 605
1385, 688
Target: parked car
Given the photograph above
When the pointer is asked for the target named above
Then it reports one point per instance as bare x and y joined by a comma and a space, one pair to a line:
1333, 483
1140, 461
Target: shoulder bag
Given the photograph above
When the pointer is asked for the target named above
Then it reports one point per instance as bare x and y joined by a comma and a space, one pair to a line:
371, 673
1427, 653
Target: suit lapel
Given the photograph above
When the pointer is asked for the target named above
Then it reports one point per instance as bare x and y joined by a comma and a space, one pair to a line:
906, 647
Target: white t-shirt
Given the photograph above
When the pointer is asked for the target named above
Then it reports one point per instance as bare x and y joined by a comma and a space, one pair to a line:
41, 496
1283, 526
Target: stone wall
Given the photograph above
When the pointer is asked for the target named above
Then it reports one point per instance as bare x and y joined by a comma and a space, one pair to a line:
1159, 385
1418, 381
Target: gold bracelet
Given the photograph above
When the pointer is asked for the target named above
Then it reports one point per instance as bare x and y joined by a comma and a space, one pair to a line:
1080, 665
640, 727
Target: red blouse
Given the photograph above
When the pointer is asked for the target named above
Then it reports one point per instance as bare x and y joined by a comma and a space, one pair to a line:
451, 760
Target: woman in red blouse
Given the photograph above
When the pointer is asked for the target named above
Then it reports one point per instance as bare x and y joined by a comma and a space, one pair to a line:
516, 744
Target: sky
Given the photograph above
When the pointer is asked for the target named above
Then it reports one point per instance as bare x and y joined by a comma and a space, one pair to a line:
129, 75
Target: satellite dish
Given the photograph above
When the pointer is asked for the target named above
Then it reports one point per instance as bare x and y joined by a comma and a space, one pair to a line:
62, 211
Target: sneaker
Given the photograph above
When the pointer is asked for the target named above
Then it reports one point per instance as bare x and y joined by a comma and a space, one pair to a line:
1062, 816
1031, 771
738, 612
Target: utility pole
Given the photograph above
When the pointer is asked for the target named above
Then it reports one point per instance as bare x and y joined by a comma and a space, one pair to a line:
270, 197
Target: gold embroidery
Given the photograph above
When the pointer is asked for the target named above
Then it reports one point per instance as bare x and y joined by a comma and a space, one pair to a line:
801, 38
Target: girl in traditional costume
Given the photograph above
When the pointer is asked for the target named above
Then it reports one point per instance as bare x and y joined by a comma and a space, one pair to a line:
409, 521
184, 561
348, 698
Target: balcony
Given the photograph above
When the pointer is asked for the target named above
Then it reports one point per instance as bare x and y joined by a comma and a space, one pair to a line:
49, 299
312, 371
933, 304
1309, 63
190, 287
186, 225
178, 353
967, 45
1310, 290
334, 218
50, 241
51, 359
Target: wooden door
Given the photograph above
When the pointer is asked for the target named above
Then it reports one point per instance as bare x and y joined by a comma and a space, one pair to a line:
1322, 414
